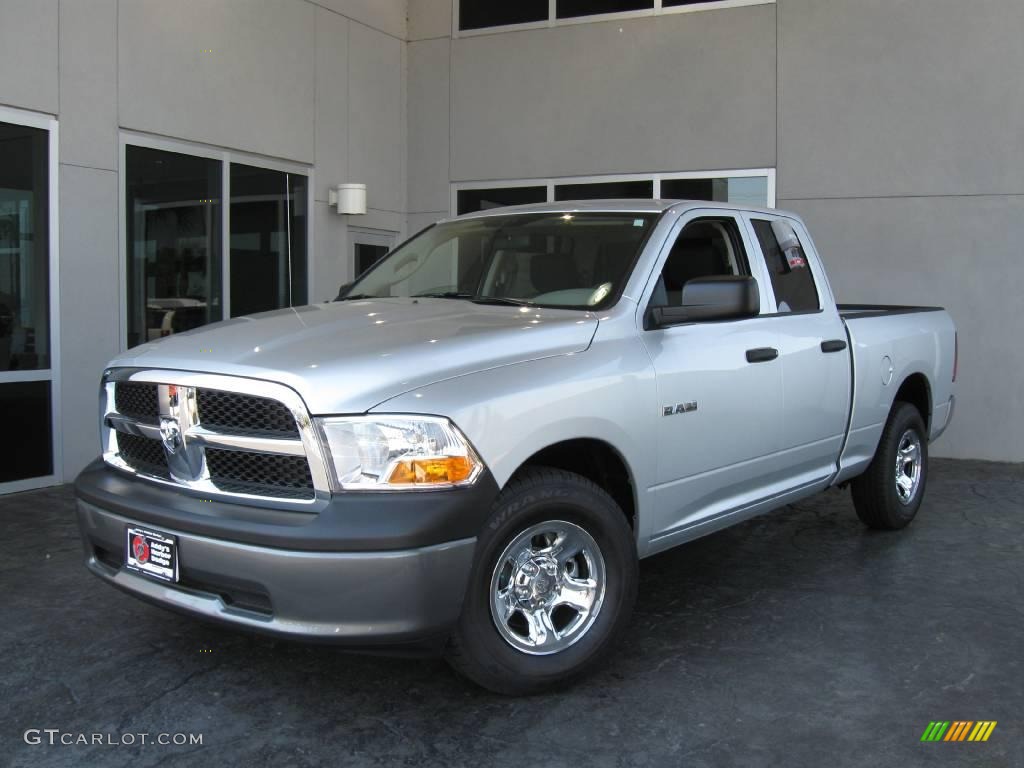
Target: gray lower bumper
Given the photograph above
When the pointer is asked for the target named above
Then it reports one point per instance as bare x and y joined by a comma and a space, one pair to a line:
359, 598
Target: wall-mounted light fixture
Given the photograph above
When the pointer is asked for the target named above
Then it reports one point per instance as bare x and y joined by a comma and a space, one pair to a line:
348, 198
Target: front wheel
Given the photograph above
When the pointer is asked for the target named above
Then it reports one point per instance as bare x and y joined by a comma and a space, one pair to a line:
552, 586
888, 495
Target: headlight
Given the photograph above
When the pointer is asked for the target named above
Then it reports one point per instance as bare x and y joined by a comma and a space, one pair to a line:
398, 452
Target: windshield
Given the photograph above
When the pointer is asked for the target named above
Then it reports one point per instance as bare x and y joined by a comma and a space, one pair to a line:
573, 260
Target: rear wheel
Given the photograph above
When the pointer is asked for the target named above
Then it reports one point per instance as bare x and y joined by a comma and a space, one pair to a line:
888, 495
552, 586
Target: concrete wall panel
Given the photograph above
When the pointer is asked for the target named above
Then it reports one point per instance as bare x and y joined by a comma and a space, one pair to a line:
90, 294
28, 54
687, 91
220, 73
88, 83
961, 253
920, 97
429, 125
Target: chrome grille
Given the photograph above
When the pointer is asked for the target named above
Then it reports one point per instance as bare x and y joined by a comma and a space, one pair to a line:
143, 454
138, 401
253, 472
233, 412
216, 435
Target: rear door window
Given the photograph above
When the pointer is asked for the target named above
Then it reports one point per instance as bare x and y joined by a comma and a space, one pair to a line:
788, 267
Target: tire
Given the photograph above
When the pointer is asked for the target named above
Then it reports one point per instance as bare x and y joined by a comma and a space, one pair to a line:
493, 645
881, 501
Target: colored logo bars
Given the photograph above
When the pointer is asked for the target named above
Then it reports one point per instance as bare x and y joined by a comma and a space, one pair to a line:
959, 730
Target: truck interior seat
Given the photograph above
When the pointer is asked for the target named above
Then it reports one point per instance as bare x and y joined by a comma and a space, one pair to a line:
553, 272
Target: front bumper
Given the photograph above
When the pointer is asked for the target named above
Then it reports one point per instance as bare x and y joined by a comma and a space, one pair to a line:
374, 584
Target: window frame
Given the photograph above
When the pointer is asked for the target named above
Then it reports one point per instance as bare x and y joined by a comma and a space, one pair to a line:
52, 374
656, 178
553, 21
226, 157
369, 236
756, 268
745, 264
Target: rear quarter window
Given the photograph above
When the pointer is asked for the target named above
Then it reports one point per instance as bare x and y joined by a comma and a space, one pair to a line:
788, 266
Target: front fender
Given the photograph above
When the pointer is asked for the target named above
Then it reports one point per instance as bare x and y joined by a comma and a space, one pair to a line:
607, 393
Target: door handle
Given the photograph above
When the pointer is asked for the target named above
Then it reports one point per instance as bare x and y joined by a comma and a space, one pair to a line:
833, 345
762, 354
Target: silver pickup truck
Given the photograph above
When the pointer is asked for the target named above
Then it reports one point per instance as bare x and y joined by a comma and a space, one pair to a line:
469, 451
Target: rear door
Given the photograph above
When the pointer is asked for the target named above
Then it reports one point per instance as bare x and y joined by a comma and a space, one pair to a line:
719, 428
813, 351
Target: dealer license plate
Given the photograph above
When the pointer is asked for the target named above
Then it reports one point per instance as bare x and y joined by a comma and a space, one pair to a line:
152, 554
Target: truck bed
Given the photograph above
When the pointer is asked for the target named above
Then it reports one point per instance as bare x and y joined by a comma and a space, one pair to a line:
888, 343
849, 311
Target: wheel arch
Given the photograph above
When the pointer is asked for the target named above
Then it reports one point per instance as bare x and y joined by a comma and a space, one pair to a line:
917, 391
598, 461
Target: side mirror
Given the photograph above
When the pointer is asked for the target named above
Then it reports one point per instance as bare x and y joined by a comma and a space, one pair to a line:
343, 290
719, 297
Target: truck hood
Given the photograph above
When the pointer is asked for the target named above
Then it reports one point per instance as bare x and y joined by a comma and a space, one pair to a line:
346, 357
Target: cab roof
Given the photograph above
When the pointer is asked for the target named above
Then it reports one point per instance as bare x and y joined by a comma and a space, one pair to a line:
611, 206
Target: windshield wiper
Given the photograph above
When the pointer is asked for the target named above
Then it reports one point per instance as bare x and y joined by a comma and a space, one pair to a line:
475, 298
501, 300
351, 296
442, 295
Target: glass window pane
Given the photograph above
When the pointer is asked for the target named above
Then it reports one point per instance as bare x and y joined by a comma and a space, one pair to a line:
567, 9
25, 412
787, 264
750, 191
268, 239
476, 14
24, 249
367, 255
173, 212
705, 248
553, 259
606, 190
472, 200
671, 3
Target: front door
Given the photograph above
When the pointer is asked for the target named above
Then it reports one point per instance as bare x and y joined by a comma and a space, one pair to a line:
719, 389
27, 332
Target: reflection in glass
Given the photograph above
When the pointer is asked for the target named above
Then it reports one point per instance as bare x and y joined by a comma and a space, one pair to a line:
476, 14
605, 190
24, 249
472, 200
748, 191
567, 9
367, 255
173, 213
25, 412
268, 239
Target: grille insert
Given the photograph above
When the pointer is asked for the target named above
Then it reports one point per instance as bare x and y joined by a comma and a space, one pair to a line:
233, 412
143, 455
137, 401
263, 474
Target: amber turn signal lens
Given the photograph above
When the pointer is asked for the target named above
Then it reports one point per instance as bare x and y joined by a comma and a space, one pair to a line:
436, 471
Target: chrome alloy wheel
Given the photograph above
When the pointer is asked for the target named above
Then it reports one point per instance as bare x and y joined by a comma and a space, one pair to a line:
547, 587
908, 466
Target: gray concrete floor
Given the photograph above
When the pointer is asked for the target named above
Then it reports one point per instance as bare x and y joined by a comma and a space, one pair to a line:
799, 639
